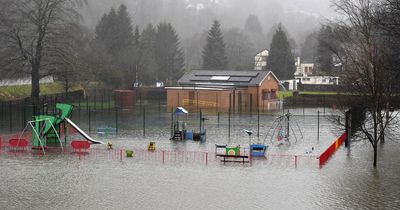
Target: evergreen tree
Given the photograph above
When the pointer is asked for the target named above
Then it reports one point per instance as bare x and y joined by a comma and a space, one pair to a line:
239, 49
114, 33
168, 53
309, 48
325, 51
147, 69
254, 31
280, 59
214, 56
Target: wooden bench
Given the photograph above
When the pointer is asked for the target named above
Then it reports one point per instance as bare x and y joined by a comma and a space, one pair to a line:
18, 144
243, 157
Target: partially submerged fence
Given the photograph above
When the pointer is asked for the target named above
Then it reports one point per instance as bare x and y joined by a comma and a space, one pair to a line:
331, 149
161, 156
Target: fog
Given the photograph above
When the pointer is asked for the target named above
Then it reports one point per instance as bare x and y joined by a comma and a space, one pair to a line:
189, 17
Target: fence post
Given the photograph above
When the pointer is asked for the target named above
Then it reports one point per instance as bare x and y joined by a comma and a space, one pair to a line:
318, 127
144, 121
258, 123
163, 156
109, 102
102, 99
95, 99
87, 103
89, 119
116, 120
229, 116
159, 101
206, 158
218, 120
10, 108
24, 114
295, 161
251, 103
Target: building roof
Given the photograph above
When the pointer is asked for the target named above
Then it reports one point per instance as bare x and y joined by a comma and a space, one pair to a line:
223, 78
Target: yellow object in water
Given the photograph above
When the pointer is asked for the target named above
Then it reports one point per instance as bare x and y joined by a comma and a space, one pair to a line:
151, 146
109, 145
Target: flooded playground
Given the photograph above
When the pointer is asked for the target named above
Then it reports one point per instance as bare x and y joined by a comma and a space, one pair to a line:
188, 175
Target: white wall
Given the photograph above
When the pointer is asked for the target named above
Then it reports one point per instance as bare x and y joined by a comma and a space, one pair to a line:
24, 81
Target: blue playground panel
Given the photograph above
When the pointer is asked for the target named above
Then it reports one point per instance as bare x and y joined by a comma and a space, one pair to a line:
258, 150
106, 131
189, 135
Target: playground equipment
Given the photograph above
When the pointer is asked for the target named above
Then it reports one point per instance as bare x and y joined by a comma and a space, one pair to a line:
80, 145
282, 130
106, 131
232, 154
47, 128
179, 127
129, 153
109, 145
256, 150
151, 146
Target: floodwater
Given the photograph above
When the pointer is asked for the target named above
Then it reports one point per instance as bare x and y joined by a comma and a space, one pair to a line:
347, 181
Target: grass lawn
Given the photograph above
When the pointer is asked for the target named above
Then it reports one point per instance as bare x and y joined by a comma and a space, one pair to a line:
97, 105
317, 93
9, 93
286, 94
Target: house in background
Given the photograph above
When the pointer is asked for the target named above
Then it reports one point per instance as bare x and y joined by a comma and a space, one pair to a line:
305, 78
260, 60
304, 69
219, 90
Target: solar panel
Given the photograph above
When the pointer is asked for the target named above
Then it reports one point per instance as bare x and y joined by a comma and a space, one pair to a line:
226, 73
199, 78
240, 79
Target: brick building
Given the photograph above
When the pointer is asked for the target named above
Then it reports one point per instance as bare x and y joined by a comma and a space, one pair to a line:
218, 90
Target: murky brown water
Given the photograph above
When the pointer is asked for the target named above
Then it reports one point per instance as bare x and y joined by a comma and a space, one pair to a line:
347, 181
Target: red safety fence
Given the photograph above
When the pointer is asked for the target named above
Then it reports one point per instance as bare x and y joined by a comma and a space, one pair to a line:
331, 149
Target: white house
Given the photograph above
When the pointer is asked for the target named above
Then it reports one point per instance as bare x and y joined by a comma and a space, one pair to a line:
305, 69
260, 60
305, 74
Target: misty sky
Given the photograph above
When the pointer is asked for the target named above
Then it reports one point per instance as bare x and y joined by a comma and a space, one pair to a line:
192, 16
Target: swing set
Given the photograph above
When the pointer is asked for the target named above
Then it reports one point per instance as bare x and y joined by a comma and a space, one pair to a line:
282, 130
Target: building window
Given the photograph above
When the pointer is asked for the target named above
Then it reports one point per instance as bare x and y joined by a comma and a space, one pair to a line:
268, 95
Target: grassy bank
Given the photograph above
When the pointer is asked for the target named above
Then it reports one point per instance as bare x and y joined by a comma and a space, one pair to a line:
287, 94
10, 93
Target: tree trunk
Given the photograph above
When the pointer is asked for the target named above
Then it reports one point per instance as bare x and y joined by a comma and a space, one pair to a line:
35, 88
375, 155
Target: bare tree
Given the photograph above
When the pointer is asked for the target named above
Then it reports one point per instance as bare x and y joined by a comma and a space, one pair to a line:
368, 73
32, 31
